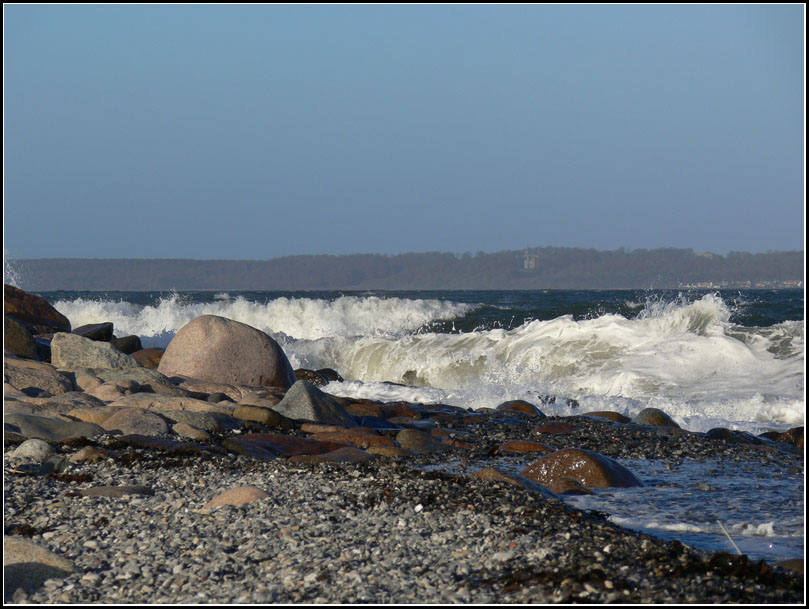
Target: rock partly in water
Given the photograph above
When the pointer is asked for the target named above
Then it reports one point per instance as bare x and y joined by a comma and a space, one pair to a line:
305, 402
218, 349
302, 374
588, 468
521, 406
420, 442
655, 417
71, 351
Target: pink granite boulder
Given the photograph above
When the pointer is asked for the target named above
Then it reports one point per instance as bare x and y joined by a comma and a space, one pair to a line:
218, 349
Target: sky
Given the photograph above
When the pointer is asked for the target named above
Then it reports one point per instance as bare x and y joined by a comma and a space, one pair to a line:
259, 131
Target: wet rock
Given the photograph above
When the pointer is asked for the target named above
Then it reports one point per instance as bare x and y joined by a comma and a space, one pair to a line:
555, 428
27, 565
70, 351
521, 406
733, 436
419, 442
341, 455
128, 344
793, 564
99, 332
330, 375
33, 310
570, 486
524, 446
793, 436
655, 417
302, 374
149, 358
18, 340
236, 496
586, 467
610, 415
218, 349
354, 438
305, 402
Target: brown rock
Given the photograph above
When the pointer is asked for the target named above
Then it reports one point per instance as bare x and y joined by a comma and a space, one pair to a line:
524, 446
184, 430
114, 390
555, 428
608, 414
419, 442
149, 358
793, 436
259, 414
570, 486
354, 438
521, 406
280, 444
93, 415
793, 564
17, 339
217, 349
248, 449
93, 454
236, 496
33, 310
655, 417
389, 451
341, 455
101, 332
586, 467
365, 410
490, 473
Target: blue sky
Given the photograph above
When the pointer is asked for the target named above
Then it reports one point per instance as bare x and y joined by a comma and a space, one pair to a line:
251, 132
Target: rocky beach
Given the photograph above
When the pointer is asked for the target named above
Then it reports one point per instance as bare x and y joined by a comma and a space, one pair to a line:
212, 472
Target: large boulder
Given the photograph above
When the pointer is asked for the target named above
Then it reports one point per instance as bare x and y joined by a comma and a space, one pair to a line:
588, 468
101, 332
305, 402
34, 311
32, 377
655, 417
214, 348
27, 565
71, 351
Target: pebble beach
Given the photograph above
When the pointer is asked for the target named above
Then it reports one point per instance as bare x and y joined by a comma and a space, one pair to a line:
131, 483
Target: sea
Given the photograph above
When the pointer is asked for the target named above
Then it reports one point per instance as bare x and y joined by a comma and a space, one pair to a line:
727, 358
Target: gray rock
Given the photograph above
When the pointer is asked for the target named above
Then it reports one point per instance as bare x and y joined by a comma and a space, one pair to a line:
305, 402
136, 420
71, 351
655, 417
27, 565
34, 449
115, 491
420, 442
46, 428
26, 374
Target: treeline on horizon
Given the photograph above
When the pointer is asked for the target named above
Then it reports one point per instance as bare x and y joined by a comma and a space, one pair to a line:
531, 268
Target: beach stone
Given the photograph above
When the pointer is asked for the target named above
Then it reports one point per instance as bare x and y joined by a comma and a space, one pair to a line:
330, 375
302, 374
348, 454
609, 414
248, 449
27, 565
524, 446
355, 438
555, 428
389, 451
34, 449
64, 403
93, 454
211, 422
289, 445
365, 410
70, 351
155, 401
86, 381
733, 436
198, 386
128, 344
149, 358
655, 417
494, 474
218, 349
586, 467
793, 564
93, 415
236, 496
115, 491
138, 421
259, 414
184, 430
305, 402
521, 406
114, 390
99, 332
47, 428
419, 442
26, 375
33, 310
17, 339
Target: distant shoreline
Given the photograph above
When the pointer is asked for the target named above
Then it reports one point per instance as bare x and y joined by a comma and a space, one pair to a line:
542, 268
